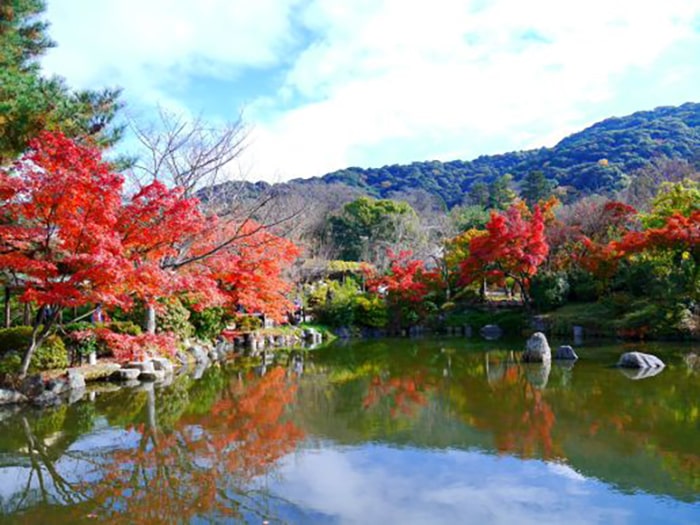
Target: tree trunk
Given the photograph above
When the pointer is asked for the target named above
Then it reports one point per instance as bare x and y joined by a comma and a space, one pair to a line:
150, 319
27, 315
39, 335
8, 308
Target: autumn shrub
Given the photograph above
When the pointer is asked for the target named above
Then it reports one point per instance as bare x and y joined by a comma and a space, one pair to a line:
125, 347
549, 290
82, 342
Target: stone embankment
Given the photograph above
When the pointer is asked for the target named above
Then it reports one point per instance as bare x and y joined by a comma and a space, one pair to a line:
43, 391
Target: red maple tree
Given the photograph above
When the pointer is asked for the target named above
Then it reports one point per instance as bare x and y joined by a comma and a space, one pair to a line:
514, 246
59, 205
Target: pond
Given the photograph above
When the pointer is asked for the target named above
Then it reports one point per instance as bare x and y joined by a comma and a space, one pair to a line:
385, 431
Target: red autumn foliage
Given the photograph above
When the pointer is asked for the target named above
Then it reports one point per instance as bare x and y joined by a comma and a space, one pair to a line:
125, 347
68, 234
59, 212
249, 272
407, 280
513, 247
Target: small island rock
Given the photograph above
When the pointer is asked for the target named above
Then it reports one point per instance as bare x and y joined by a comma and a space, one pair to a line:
639, 360
565, 353
537, 349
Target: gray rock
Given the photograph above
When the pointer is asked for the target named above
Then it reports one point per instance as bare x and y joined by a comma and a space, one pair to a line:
46, 399
10, 397
199, 370
491, 332
537, 349
162, 363
143, 366
33, 386
57, 385
182, 358
155, 375
198, 353
126, 374
639, 360
565, 353
165, 382
76, 380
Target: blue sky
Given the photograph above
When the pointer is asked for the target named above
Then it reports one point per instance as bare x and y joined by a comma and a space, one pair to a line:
326, 84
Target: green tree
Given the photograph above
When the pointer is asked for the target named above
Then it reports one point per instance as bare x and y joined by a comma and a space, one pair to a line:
536, 188
30, 103
679, 197
366, 227
478, 194
501, 193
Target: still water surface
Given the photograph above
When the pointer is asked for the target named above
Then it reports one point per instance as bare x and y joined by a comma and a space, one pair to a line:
390, 431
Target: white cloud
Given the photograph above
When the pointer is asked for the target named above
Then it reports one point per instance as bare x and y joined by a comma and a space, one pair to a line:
154, 47
416, 71
444, 79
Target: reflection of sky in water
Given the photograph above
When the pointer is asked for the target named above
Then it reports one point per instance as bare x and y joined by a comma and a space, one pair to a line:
79, 464
377, 484
383, 485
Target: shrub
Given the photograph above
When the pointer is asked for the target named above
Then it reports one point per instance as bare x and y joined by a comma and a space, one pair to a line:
371, 311
248, 323
15, 339
208, 323
583, 286
125, 327
126, 347
549, 290
50, 355
333, 302
173, 317
14, 342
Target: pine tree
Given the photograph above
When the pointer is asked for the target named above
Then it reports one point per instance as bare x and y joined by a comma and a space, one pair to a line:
31, 103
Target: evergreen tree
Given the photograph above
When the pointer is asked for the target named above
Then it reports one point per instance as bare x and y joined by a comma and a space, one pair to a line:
536, 188
30, 103
478, 194
501, 193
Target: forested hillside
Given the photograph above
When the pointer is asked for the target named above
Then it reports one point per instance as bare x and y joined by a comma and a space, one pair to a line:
599, 159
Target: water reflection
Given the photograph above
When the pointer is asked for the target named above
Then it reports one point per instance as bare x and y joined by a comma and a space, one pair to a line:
378, 432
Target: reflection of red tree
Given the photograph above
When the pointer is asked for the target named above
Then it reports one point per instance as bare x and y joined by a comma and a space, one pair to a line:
522, 420
207, 464
406, 393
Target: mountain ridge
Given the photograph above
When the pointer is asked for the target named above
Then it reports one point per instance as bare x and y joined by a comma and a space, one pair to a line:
598, 159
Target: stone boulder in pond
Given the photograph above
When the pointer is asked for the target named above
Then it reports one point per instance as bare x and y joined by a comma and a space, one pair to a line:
639, 360
537, 349
565, 353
